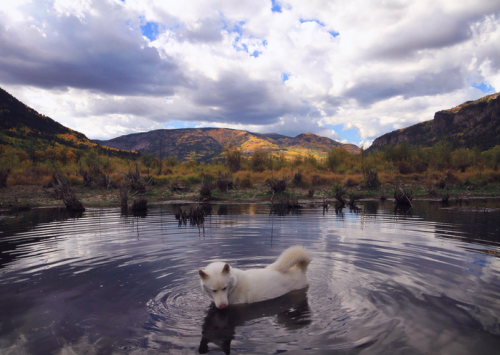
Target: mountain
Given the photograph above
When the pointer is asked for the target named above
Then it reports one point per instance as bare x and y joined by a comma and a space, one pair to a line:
471, 124
25, 128
207, 143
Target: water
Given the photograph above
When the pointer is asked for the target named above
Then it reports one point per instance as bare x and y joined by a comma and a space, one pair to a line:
382, 281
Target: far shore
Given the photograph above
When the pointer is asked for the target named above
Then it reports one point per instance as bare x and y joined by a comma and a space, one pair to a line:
31, 196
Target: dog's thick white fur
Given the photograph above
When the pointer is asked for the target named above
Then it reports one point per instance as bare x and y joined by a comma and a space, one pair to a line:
227, 285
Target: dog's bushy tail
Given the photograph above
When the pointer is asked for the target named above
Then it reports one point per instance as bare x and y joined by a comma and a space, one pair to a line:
292, 256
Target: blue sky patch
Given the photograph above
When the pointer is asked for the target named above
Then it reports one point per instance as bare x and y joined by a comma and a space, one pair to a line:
284, 77
275, 7
181, 124
312, 20
149, 30
351, 135
237, 28
333, 33
484, 87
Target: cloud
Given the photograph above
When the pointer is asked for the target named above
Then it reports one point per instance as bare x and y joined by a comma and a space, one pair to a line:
82, 50
110, 67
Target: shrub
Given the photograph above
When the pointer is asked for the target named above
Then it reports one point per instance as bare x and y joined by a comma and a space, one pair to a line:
192, 179
206, 188
420, 167
4, 175
297, 161
224, 182
36, 172
350, 183
404, 167
317, 180
371, 179
246, 182
297, 178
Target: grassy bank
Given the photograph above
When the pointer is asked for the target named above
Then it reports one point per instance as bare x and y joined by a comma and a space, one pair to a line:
423, 187
96, 179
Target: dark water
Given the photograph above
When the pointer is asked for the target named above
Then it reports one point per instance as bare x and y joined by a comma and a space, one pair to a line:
382, 281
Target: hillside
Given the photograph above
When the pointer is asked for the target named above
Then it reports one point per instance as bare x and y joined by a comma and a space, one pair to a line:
207, 143
25, 128
471, 124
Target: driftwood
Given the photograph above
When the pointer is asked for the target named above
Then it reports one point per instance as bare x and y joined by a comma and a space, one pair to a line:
403, 197
60, 190
352, 199
277, 186
140, 205
177, 186
339, 195
443, 183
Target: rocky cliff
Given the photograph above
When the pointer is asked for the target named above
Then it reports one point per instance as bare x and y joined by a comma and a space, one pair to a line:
471, 124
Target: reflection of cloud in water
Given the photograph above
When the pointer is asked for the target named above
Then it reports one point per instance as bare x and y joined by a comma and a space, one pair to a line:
219, 327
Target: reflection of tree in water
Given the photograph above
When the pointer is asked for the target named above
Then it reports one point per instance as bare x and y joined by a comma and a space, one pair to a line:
222, 210
219, 327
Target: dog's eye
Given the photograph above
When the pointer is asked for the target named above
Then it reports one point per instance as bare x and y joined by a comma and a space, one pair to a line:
224, 289
214, 290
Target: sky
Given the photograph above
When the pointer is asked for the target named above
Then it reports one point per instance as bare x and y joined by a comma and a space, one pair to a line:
348, 70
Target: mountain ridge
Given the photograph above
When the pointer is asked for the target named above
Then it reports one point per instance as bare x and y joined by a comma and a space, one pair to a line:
208, 143
470, 124
23, 127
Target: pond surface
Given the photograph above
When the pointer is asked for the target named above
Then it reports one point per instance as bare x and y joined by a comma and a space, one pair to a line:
382, 281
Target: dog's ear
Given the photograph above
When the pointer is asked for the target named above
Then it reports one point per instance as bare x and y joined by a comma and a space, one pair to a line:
225, 269
203, 274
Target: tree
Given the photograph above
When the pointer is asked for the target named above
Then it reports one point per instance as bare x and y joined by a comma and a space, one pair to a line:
259, 160
233, 157
336, 157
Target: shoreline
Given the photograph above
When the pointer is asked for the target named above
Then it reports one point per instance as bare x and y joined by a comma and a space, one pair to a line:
21, 197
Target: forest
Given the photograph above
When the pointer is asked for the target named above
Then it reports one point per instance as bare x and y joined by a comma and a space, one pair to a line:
423, 169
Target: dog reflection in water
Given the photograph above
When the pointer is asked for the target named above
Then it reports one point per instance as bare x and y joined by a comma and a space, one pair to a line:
291, 311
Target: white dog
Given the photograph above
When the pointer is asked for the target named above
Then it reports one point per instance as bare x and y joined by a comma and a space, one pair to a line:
226, 285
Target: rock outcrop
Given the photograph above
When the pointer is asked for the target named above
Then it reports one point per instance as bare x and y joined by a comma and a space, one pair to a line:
472, 124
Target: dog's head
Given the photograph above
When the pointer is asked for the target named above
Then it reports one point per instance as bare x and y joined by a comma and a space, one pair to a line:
217, 282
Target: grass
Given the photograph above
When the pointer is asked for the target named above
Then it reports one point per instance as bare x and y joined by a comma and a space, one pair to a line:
485, 183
